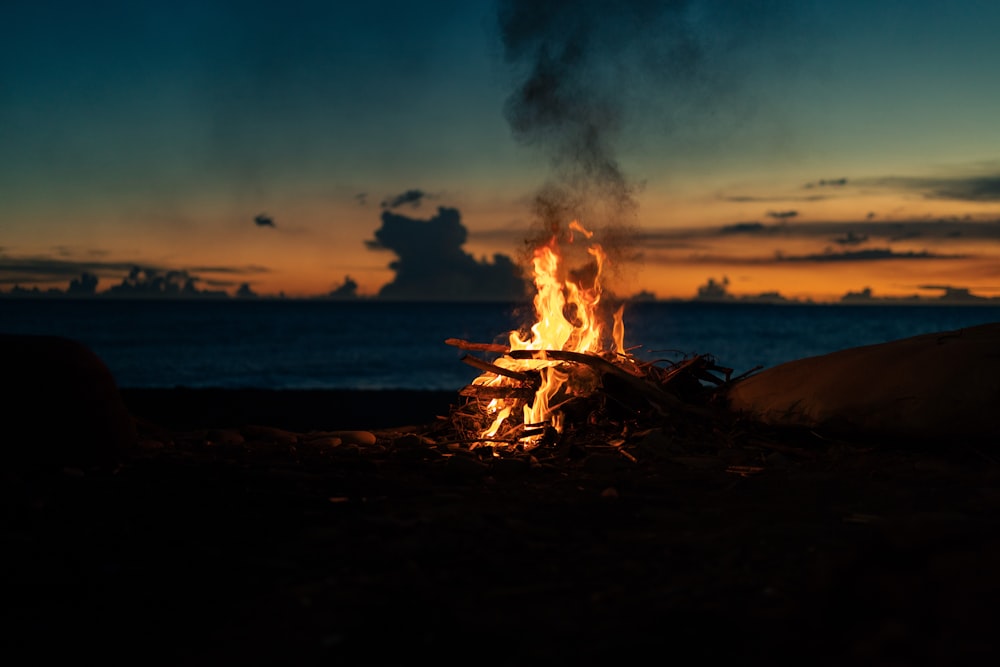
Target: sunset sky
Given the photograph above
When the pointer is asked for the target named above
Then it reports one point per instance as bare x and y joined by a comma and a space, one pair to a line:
806, 148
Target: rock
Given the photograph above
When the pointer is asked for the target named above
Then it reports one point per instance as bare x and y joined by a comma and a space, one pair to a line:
941, 387
270, 434
355, 437
60, 405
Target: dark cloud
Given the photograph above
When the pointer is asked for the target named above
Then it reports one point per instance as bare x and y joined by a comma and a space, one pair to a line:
782, 215
970, 189
768, 199
953, 293
843, 233
949, 294
346, 290
834, 182
431, 263
714, 290
973, 188
86, 284
82, 277
229, 270
244, 291
743, 228
146, 282
361, 198
868, 255
15, 270
851, 238
412, 198
263, 220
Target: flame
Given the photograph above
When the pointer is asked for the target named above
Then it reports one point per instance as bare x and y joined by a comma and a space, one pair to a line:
567, 318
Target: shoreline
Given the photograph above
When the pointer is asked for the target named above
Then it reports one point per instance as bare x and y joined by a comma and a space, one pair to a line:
187, 408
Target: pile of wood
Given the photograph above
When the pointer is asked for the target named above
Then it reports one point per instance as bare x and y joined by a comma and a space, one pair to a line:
605, 395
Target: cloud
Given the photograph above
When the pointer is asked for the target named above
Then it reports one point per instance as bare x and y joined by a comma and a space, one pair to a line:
834, 182
953, 293
263, 220
44, 269
152, 282
346, 290
244, 291
412, 198
949, 294
431, 263
743, 228
868, 255
769, 199
82, 276
842, 233
85, 284
851, 238
782, 215
229, 270
983, 188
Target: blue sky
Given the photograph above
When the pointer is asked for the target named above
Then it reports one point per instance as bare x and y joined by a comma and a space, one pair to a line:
806, 148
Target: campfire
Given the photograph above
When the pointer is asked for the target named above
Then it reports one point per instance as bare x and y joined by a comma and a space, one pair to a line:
570, 371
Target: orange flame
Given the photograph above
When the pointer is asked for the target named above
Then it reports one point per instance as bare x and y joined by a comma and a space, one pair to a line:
567, 318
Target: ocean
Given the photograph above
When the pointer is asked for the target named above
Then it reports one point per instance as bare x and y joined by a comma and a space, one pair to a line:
316, 344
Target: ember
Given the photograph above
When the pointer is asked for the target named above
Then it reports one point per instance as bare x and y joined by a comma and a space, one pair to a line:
570, 368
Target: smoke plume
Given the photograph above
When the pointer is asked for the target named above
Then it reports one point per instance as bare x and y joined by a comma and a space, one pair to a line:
572, 62
585, 71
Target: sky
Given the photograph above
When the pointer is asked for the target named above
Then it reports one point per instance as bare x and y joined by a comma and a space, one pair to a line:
414, 150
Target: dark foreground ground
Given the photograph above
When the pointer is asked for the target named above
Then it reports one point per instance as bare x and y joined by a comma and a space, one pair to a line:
240, 533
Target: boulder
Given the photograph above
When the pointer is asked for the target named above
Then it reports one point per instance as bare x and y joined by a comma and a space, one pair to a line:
60, 405
941, 386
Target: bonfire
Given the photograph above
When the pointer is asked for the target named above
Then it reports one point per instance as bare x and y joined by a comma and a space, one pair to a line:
570, 368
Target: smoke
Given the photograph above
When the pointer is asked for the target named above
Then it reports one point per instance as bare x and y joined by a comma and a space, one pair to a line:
586, 71
571, 62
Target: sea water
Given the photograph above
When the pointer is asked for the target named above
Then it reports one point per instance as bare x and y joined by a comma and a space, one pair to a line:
371, 344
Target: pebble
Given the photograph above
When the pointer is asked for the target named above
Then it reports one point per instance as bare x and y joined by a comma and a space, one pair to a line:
354, 437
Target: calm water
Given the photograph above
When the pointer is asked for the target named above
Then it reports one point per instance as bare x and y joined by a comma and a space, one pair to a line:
376, 345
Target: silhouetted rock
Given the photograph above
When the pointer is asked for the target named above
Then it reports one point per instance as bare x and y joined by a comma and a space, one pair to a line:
59, 404
942, 387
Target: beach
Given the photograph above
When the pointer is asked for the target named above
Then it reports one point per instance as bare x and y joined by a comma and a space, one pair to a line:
258, 528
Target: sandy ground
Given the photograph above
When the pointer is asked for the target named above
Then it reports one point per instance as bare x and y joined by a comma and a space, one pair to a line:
249, 529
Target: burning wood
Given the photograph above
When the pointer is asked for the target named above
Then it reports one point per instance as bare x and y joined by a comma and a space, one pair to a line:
571, 371
480, 391
487, 367
475, 347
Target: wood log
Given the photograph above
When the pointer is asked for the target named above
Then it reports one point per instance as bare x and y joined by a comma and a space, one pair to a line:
487, 367
662, 401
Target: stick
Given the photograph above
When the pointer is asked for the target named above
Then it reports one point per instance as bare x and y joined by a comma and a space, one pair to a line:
487, 367
483, 391
657, 397
478, 347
